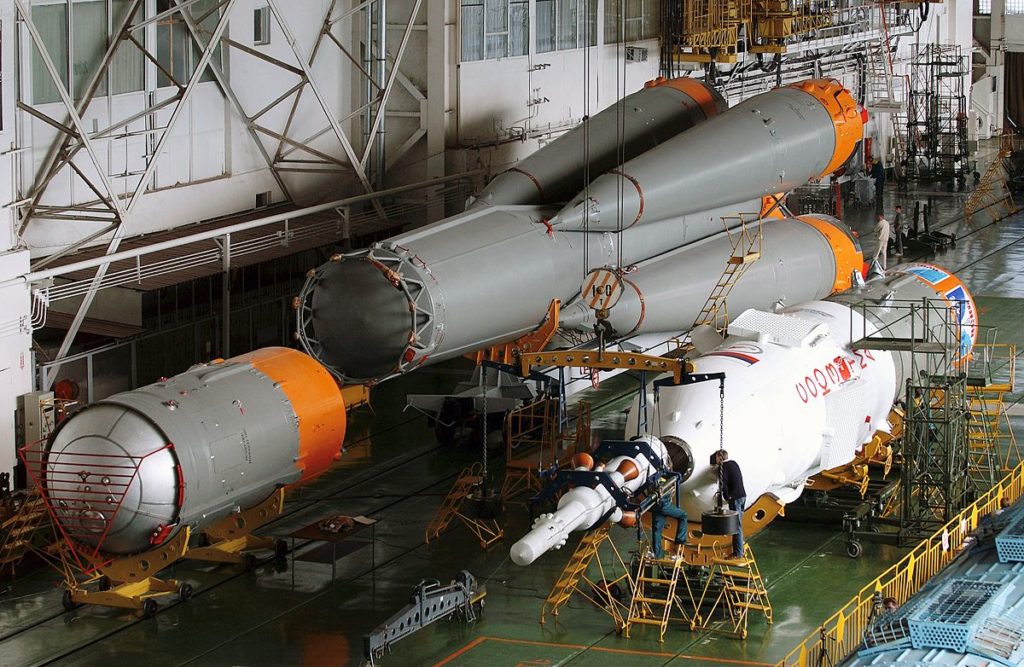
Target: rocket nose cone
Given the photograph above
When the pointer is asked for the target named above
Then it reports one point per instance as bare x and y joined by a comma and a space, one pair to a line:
522, 553
360, 320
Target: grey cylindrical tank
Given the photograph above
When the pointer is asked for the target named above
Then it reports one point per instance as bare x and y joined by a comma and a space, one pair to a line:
798, 263
473, 280
128, 472
767, 144
660, 110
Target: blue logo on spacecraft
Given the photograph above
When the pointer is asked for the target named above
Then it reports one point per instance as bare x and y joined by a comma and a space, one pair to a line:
966, 317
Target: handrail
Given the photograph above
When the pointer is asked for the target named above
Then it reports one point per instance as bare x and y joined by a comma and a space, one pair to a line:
844, 630
36, 276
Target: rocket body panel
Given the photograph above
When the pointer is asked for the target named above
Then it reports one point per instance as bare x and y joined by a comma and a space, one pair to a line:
775, 142
648, 117
798, 263
207, 442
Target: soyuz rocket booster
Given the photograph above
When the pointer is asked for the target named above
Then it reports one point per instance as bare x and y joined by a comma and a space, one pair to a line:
800, 396
660, 110
487, 276
126, 474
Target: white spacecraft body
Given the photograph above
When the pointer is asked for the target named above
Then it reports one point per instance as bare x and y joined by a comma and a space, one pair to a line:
799, 398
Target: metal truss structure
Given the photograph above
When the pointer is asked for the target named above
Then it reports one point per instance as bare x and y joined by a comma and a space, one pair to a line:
286, 149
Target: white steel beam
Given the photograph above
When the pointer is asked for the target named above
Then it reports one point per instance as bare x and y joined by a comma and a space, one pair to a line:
386, 93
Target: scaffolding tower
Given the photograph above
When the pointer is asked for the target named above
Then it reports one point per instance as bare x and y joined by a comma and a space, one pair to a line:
937, 115
935, 472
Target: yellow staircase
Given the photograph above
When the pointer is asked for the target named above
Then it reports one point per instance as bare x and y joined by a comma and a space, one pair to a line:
19, 530
654, 593
746, 249
464, 483
991, 440
992, 193
575, 580
742, 591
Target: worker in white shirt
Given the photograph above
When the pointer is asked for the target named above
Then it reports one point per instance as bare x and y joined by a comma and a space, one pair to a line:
882, 232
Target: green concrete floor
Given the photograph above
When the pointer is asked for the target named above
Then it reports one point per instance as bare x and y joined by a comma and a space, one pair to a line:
395, 472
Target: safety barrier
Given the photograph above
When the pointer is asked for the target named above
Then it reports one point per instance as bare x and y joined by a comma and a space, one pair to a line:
841, 634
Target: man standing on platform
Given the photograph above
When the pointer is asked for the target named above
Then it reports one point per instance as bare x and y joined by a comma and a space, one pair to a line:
733, 493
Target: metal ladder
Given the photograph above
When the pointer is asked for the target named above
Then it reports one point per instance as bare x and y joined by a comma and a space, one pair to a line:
746, 249
574, 571
19, 530
880, 63
992, 191
742, 591
464, 483
985, 413
654, 593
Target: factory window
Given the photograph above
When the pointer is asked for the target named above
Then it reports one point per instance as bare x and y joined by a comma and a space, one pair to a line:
261, 26
176, 52
494, 28
630, 20
566, 24
984, 7
77, 58
51, 22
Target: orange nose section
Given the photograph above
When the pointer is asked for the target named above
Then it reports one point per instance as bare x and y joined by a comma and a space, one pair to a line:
316, 399
846, 117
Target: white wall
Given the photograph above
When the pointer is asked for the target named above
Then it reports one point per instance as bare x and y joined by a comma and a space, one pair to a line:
494, 98
15, 343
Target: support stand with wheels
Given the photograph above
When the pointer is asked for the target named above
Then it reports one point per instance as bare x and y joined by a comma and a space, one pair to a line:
130, 582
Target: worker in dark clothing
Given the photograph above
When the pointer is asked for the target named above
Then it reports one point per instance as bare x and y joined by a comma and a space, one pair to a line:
663, 509
878, 174
733, 493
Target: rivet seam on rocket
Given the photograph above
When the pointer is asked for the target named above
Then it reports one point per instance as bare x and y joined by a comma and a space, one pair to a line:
848, 257
316, 399
845, 114
698, 91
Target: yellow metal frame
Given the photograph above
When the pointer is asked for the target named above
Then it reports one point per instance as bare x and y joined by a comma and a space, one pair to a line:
131, 580
742, 591
231, 538
573, 579
845, 628
606, 361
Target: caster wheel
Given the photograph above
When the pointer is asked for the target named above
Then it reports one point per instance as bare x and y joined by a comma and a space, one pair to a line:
854, 549
281, 550
185, 592
149, 608
104, 583
249, 562
67, 601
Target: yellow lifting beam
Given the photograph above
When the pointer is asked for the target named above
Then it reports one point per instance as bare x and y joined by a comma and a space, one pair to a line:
606, 361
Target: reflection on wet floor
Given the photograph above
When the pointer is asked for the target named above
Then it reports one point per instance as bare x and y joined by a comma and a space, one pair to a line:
394, 471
